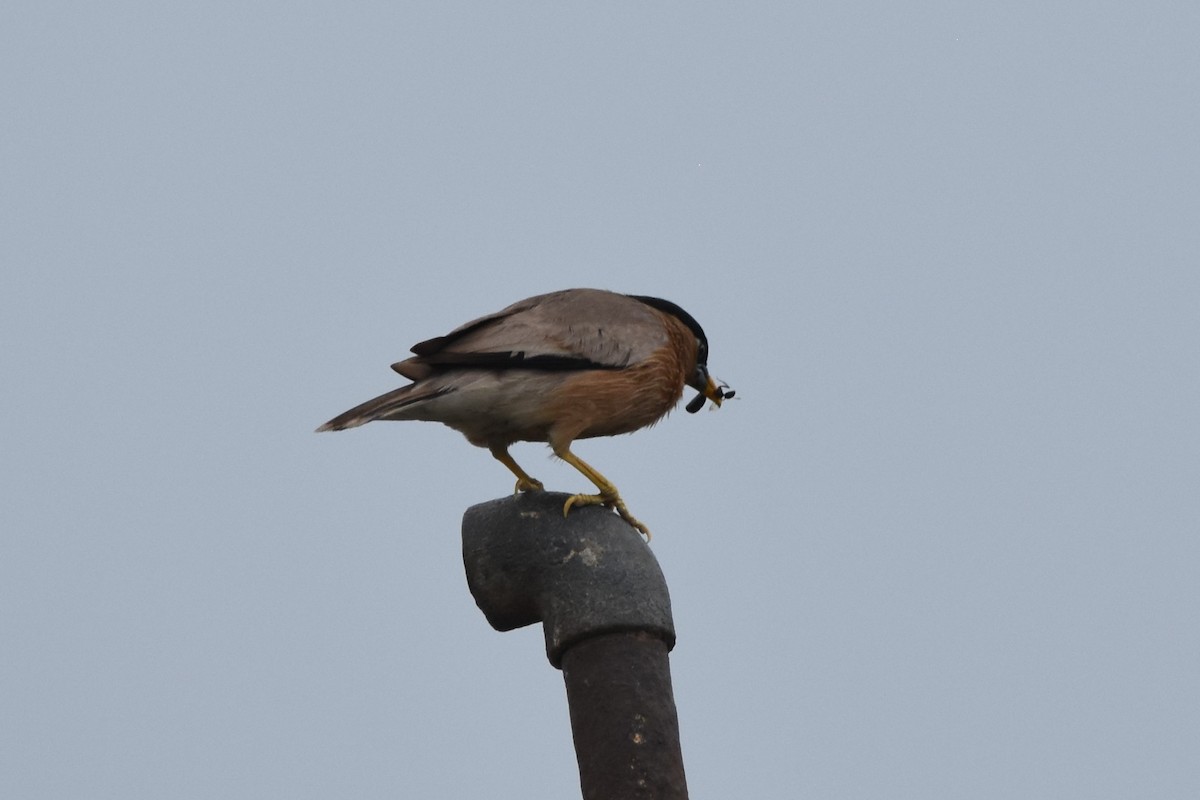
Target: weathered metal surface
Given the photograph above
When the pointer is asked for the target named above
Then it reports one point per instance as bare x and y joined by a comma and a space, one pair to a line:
597, 589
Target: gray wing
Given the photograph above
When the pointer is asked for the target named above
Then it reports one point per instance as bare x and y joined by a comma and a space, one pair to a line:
571, 329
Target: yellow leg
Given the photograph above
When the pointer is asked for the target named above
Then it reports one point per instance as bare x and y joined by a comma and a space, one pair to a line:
524, 482
608, 495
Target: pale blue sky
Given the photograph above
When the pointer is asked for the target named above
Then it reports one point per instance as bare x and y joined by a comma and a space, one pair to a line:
944, 544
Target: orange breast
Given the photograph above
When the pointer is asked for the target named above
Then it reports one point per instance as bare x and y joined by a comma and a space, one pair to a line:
611, 402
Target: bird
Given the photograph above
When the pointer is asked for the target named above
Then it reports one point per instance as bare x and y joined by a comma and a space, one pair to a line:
554, 368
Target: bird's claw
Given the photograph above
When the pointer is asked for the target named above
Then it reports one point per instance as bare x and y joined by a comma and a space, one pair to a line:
530, 485
614, 502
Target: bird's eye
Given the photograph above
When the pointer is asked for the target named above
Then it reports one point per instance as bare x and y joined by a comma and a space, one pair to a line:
701, 351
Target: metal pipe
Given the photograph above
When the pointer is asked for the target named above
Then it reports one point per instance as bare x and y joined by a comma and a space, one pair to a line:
602, 599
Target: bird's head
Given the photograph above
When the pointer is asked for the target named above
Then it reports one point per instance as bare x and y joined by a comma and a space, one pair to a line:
699, 380
704, 383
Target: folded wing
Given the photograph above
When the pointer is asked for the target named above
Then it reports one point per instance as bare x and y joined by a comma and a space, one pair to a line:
573, 329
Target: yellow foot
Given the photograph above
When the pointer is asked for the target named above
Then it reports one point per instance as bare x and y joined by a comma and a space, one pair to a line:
528, 484
612, 501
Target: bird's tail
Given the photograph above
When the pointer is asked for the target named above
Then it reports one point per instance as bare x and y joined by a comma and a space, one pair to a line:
386, 406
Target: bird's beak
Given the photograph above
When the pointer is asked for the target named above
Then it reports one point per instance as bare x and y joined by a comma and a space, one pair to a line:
712, 391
